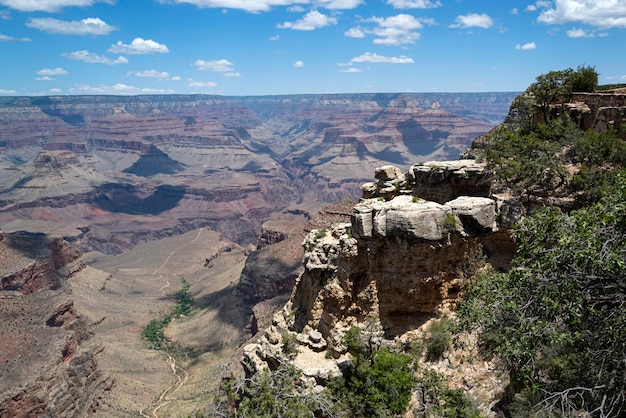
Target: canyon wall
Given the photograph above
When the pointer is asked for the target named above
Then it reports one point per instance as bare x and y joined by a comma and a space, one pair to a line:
126, 170
48, 353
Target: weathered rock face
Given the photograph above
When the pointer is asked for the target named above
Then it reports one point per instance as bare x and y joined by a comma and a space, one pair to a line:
401, 261
48, 364
107, 163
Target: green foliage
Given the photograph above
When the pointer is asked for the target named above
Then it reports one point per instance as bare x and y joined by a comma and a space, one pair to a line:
438, 340
153, 332
449, 223
270, 394
290, 343
353, 340
584, 79
557, 86
321, 233
376, 387
557, 318
438, 400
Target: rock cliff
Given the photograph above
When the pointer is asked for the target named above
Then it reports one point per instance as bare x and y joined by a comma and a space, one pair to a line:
48, 356
400, 262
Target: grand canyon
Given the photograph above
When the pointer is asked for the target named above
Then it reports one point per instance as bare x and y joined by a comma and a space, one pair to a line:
107, 202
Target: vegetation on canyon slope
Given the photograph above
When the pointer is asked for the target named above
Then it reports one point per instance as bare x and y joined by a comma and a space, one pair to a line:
557, 318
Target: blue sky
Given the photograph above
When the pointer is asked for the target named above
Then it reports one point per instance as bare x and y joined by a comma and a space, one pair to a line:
260, 47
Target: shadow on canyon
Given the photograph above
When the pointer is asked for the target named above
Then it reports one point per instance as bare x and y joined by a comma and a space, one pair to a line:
123, 198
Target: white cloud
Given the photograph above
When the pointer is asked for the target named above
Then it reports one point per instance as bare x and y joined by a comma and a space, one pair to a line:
118, 89
274, 38
339, 4
312, 20
176, 78
55, 91
52, 71
298, 64
139, 46
193, 83
351, 70
2, 91
599, 13
92, 58
44, 78
254, 6
219, 66
414, 4
514, 11
161, 75
7, 38
88, 26
473, 20
381, 59
48, 5
233, 74
579, 33
395, 30
526, 47
354, 33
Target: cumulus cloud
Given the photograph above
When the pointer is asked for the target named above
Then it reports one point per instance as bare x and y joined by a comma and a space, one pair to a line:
339, 4
381, 59
2, 91
160, 75
234, 74
603, 14
44, 78
92, 58
579, 33
117, 89
526, 47
312, 20
414, 4
473, 20
51, 72
138, 46
219, 66
298, 64
253, 6
394, 30
7, 38
354, 33
48, 5
194, 83
88, 26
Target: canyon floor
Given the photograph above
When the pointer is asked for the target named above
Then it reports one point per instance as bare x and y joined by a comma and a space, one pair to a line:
120, 294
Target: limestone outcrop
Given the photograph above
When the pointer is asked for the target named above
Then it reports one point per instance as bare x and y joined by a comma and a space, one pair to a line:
401, 261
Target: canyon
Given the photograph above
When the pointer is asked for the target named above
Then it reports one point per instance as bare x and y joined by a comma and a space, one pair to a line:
107, 201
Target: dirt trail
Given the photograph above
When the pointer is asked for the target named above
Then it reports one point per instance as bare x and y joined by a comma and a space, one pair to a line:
181, 375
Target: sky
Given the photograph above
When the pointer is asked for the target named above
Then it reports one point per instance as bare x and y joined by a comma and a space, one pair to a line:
273, 47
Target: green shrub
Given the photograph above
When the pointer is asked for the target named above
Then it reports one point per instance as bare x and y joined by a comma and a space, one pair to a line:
557, 318
353, 340
438, 340
290, 343
376, 387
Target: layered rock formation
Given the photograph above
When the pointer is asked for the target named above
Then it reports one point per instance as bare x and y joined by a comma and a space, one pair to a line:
401, 261
131, 169
48, 356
